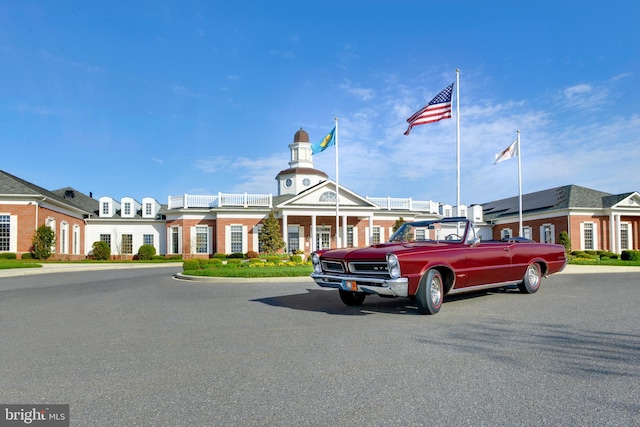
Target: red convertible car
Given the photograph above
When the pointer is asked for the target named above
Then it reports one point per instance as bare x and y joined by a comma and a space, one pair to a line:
430, 259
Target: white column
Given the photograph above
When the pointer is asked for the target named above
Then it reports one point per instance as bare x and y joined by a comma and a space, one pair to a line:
618, 236
313, 234
370, 236
612, 232
285, 232
343, 244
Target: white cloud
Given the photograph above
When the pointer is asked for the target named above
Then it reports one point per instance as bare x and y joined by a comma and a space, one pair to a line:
365, 94
184, 91
214, 164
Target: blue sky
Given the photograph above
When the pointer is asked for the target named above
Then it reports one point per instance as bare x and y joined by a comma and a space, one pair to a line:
160, 98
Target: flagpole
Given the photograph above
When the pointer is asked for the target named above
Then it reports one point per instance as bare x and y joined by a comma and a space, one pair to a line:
519, 183
458, 142
338, 245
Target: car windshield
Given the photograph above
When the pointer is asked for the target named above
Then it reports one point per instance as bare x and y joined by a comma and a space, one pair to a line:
430, 231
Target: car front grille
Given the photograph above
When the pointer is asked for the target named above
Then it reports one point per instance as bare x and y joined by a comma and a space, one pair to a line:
375, 268
332, 266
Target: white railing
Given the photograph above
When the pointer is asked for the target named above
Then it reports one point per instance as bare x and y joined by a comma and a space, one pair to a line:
203, 201
391, 203
246, 200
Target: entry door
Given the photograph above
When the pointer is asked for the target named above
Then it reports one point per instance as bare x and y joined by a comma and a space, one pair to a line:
323, 238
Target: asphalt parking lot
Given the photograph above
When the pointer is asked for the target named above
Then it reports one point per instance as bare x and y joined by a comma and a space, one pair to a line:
138, 347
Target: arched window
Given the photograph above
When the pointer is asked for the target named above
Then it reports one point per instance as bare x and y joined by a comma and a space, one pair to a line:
328, 197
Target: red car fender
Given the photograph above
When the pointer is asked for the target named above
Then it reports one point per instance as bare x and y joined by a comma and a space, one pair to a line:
446, 270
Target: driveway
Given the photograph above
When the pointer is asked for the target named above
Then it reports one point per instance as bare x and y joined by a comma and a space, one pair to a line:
137, 347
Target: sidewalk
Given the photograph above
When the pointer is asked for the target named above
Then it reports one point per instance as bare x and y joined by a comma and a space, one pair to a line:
71, 267
582, 269
66, 268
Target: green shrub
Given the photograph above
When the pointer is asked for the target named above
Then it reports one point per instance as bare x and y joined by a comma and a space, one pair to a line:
255, 261
630, 255
237, 255
8, 255
101, 250
234, 261
146, 252
220, 256
607, 255
26, 255
585, 255
296, 258
564, 240
273, 258
191, 264
252, 255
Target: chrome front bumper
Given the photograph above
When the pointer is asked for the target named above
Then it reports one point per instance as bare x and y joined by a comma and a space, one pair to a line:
368, 285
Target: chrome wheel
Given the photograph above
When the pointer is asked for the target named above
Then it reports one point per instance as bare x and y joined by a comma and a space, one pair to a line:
430, 292
436, 290
532, 279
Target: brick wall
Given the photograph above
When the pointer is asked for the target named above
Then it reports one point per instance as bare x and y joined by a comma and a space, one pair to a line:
27, 226
559, 223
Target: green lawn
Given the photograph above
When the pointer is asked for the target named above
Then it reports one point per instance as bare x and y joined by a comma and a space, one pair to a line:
13, 263
251, 272
607, 262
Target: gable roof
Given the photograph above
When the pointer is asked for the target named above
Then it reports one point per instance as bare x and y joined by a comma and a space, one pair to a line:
308, 196
559, 198
11, 185
78, 199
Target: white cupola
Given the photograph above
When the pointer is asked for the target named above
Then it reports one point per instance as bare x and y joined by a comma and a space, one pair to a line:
301, 174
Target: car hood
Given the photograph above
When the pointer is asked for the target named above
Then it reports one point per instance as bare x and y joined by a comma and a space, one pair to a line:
380, 251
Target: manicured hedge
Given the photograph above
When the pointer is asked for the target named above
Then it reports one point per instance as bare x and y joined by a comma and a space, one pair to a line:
630, 255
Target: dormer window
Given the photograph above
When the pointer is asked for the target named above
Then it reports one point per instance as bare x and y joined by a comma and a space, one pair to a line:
149, 208
127, 208
105, 208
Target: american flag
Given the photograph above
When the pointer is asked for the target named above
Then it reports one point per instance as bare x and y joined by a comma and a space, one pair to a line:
439, 108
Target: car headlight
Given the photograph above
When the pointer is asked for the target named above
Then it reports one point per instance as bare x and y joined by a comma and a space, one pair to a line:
315, 259
393, 266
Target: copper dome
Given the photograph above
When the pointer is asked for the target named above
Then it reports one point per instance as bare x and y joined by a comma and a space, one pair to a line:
301, 136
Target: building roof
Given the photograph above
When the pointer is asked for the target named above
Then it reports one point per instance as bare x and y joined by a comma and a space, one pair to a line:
302, 171
11, 185
559, 198
78, 199
301, 136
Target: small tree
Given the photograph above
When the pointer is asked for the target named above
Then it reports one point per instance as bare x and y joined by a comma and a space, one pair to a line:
42, 242
564, 240
101, 250
398, 224
270, 237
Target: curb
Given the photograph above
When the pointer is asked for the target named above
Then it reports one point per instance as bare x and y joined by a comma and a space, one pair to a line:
597, 269
67, 268
209, 279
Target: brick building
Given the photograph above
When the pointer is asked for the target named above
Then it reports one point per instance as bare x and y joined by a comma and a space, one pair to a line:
310, 218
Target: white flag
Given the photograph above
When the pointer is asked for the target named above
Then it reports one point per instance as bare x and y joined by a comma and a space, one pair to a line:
507, 153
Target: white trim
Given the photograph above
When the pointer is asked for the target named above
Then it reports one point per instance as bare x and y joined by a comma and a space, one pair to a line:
594, 233
553, 232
